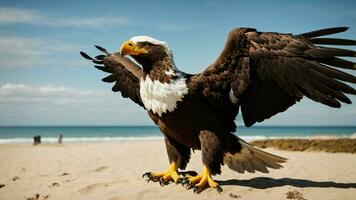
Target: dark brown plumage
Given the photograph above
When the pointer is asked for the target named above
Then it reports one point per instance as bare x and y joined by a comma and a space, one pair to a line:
260, 73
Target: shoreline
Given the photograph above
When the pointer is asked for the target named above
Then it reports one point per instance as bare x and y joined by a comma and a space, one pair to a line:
83, 140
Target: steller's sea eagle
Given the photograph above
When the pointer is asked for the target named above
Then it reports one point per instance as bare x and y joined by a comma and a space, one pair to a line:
261, 73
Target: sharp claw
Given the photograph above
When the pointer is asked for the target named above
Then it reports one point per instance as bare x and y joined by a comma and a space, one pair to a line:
187, 183
146, 174
161, 182
149, 177
190, 186
179, 180
198, 190
184, 182
219, 189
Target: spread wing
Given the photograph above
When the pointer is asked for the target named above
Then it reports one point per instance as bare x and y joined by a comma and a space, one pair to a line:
123, 72
266, 73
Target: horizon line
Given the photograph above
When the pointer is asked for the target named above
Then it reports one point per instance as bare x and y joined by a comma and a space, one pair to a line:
141, 125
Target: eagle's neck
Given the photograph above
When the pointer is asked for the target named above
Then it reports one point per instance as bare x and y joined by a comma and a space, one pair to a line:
164, 70
163, 87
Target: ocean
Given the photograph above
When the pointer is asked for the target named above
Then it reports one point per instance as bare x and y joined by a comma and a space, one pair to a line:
75, 134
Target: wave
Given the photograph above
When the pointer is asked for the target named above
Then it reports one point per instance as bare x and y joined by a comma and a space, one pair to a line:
79, 139
247, 138
353, 135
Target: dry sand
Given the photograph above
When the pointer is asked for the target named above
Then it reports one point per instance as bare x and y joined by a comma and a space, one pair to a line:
113, 171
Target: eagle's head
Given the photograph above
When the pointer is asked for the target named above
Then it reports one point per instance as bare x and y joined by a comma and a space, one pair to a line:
146, 50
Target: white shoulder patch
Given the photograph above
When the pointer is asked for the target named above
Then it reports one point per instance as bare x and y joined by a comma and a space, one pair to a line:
170, 72
162, 97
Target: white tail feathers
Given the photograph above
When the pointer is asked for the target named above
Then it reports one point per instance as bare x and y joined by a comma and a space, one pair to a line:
252, 159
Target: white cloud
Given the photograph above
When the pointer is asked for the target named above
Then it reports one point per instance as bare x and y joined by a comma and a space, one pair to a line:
17, 15
33, 17
93, 22
46, 104
28, 52
15, 51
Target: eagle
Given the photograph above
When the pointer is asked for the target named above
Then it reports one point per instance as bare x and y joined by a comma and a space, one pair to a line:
257, 73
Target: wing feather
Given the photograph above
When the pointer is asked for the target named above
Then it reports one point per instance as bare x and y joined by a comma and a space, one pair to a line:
296, 69
322, 32
332, 41
281, 69
123, 72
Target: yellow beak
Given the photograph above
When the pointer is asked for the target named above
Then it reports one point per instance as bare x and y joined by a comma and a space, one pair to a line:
130, 48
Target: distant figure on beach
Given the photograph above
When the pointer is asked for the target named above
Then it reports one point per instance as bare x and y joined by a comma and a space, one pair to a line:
60, 139
36, 139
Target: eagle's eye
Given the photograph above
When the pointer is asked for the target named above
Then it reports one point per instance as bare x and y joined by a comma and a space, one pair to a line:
145, 44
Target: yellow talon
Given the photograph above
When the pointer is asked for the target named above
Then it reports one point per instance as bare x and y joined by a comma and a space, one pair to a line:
202, 180
170, 174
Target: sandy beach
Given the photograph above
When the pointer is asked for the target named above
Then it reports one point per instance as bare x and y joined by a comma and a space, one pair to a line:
113, 171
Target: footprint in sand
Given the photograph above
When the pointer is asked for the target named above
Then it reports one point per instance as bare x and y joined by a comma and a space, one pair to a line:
295, 195
54, 185
235, 196
37, 197
99, 169
69, 180
90, 188
146, 193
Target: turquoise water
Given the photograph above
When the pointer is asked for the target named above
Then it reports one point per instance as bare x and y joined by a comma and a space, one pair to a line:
119, 133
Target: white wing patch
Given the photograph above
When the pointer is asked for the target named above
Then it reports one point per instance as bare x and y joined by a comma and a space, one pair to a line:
233, 99
162, 97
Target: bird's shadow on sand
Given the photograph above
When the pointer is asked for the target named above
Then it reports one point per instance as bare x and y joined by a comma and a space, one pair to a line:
265, 182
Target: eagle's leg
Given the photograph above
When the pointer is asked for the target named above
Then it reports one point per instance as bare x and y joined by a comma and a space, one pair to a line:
178, 155
212, 156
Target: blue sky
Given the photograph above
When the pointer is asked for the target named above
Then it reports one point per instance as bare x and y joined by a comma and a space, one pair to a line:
44, 81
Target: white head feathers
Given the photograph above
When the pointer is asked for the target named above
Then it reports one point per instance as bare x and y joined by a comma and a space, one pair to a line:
144, 38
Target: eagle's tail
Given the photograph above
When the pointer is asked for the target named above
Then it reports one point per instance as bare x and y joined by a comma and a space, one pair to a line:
252, 159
